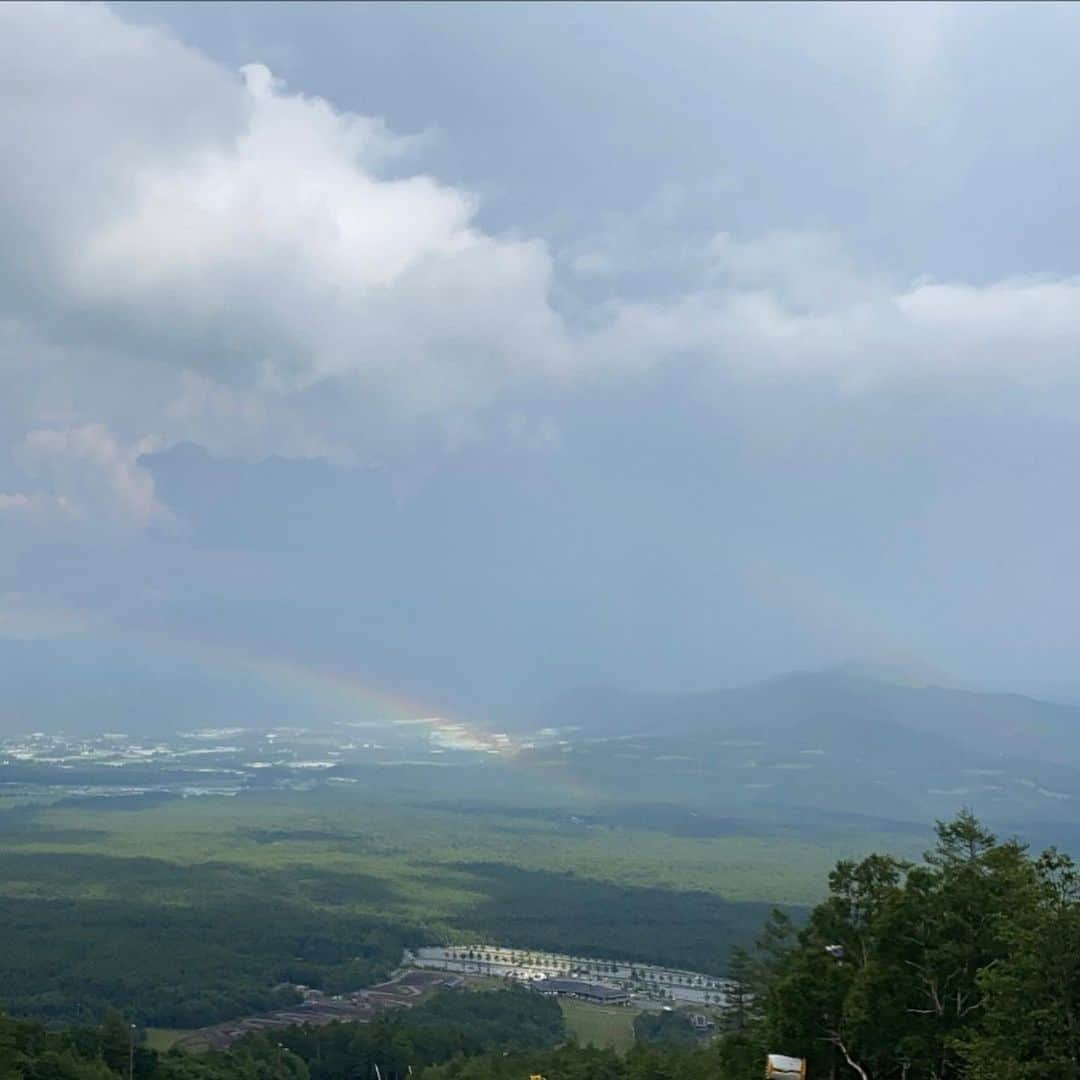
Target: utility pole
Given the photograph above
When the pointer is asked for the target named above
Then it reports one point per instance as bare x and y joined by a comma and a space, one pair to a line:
131, 1052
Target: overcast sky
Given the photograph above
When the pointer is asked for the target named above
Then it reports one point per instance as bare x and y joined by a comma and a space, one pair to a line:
490, 350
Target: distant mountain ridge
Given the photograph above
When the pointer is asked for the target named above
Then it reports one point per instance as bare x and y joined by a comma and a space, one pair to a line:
868, 741
988, 721
834, 741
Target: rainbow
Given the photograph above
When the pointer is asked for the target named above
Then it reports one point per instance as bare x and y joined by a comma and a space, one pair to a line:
372, 705
352, 702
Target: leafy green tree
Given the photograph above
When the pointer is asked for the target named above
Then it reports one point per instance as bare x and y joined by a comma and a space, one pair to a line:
772, 947
65, 1065
11, 1060
668, 1028
742, 978
891, 973
116, 1036
740, 1056
1030, 1027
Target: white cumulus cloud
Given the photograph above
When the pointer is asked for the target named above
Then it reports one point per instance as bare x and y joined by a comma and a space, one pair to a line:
197, 253
229, 225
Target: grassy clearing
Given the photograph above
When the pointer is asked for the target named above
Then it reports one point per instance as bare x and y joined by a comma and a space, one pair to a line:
600, 1025
163, 1038
484, 982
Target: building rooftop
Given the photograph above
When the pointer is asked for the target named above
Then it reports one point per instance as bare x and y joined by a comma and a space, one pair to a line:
585, 989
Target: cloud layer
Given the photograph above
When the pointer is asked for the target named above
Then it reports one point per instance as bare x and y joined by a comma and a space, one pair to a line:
239, 247
201, 253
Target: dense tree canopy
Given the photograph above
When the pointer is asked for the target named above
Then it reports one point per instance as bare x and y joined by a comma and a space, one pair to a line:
962, 966
226, 952
965, 966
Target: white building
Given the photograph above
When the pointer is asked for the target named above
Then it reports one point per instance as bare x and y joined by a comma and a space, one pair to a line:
668, 984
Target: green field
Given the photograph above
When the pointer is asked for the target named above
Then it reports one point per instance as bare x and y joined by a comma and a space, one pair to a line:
163, 1038
598, 1025
400, 837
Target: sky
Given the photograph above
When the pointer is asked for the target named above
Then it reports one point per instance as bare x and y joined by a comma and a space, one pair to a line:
487, 351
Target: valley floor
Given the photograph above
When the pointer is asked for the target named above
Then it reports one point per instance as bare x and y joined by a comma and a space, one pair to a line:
185, 912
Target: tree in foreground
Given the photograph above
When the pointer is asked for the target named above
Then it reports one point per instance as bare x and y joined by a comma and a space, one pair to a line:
967, 965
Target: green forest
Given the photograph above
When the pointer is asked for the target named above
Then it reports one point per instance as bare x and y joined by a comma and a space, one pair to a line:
175, 947
962, 966
185, 947
184, 913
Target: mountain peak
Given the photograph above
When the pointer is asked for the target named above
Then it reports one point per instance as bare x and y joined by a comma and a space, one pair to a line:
896, 671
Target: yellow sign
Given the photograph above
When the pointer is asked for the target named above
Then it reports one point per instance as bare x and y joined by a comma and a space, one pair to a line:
782, 1067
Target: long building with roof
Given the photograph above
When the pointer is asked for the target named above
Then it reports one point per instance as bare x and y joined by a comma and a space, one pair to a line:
586, 991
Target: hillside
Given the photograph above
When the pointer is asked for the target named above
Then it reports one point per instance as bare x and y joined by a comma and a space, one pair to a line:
831, 741
991, 722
